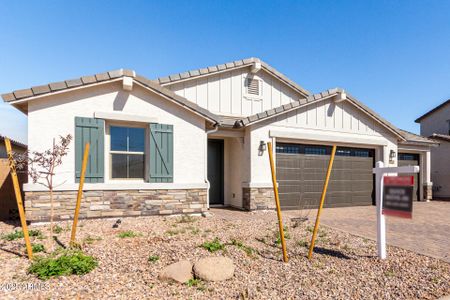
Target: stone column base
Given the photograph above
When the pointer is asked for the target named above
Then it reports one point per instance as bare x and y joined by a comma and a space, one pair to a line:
123, 203
427, 191
258, 198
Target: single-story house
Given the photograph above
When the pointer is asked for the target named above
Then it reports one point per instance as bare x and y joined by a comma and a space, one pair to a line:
435, 124
8, 204
186, 142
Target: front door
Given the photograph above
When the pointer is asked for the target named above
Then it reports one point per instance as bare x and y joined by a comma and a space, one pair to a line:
215, 172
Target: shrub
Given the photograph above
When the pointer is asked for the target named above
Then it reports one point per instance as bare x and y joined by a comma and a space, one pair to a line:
196, 283
66, 262
128, 234
13, 236
213, 246
57, 229
247, 249
286, 236
38, 248
18, 234
153, 258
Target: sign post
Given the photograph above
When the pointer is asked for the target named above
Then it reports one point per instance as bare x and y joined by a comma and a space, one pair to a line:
380, 172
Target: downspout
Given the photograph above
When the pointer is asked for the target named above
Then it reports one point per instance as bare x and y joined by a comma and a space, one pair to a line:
216, 127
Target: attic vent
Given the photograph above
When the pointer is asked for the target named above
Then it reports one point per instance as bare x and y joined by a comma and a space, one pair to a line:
252, 86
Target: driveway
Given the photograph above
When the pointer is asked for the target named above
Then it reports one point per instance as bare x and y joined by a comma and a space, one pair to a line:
428, 232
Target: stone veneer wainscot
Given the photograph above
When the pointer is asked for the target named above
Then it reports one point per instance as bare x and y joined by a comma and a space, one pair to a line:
124, 203
258, 198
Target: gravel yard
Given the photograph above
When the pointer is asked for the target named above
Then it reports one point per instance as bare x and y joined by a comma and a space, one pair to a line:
343, 266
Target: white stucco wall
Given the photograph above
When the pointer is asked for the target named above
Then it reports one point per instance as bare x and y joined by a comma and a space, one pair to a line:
224, 93
53, 116
319, 124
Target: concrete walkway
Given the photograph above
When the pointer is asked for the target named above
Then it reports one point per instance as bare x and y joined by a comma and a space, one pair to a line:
428, 232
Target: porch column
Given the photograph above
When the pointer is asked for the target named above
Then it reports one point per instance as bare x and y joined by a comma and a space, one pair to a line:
428, 185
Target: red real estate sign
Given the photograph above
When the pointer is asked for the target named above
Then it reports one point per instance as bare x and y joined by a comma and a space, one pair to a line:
398, 196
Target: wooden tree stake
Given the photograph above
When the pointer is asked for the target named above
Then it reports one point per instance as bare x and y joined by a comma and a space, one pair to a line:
277, 202
23, 221
322, 200
80, 193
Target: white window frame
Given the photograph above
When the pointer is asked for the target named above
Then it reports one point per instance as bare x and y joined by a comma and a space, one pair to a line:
144, 153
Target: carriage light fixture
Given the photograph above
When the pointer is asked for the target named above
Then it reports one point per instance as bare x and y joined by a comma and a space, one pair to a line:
262, 146
392, 155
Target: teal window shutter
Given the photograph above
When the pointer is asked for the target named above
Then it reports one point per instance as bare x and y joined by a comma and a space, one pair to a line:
90, 130
161, 153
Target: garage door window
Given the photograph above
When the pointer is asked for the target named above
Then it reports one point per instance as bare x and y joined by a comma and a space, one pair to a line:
322, 150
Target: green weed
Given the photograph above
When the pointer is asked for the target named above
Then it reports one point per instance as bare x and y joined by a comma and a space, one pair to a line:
63, 263
213, 246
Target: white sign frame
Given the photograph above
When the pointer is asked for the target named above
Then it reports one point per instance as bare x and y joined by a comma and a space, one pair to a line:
380, 171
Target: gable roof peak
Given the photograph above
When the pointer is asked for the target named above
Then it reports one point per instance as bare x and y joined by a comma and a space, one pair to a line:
237, 64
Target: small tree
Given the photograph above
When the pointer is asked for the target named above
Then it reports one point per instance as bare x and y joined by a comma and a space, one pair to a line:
42, 165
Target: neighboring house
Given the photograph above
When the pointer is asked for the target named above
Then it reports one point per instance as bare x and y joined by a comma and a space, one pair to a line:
183, 143
436, 124
8, 206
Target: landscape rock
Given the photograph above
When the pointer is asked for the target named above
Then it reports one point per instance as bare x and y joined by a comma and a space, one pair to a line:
180, 272
214, 268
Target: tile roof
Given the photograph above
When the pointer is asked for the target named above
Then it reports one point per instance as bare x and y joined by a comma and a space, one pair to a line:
442, 137
13, 142
50, 88
415, 138
230, 66
432, 111
314, 98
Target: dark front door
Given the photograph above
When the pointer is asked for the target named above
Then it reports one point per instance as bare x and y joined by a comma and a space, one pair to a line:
215, 171
411, 159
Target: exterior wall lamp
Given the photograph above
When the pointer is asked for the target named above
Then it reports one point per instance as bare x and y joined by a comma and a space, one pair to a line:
262, 146
392, 156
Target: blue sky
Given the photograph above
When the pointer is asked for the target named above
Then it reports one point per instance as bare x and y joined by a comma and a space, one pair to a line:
392, 55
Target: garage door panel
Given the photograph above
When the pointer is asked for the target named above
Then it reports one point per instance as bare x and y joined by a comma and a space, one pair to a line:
301, 177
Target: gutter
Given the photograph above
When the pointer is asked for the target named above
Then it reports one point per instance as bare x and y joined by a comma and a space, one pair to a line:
215, 129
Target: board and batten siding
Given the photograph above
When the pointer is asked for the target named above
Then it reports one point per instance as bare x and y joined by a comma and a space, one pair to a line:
225, 93
327, 115
324, 122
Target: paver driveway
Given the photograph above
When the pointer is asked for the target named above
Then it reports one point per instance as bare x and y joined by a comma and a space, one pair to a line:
427, 233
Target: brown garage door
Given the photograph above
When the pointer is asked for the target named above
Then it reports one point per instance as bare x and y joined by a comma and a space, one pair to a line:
411, 159
301, 173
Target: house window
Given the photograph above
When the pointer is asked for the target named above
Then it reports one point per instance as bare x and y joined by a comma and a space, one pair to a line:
127, 152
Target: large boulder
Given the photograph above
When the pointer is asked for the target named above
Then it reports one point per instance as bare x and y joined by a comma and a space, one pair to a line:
214, 268
179, 272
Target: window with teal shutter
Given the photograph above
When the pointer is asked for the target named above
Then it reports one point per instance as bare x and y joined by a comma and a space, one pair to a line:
90, 130
161, 153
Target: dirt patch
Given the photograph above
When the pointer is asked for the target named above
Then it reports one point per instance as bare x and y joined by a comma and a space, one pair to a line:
344, 266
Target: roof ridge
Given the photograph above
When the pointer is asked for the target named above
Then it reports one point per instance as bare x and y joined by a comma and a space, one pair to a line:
104, 77
66, 84
186, 75
432, 110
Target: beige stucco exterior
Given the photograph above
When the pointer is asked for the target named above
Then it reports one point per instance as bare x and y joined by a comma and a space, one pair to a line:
438, 122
